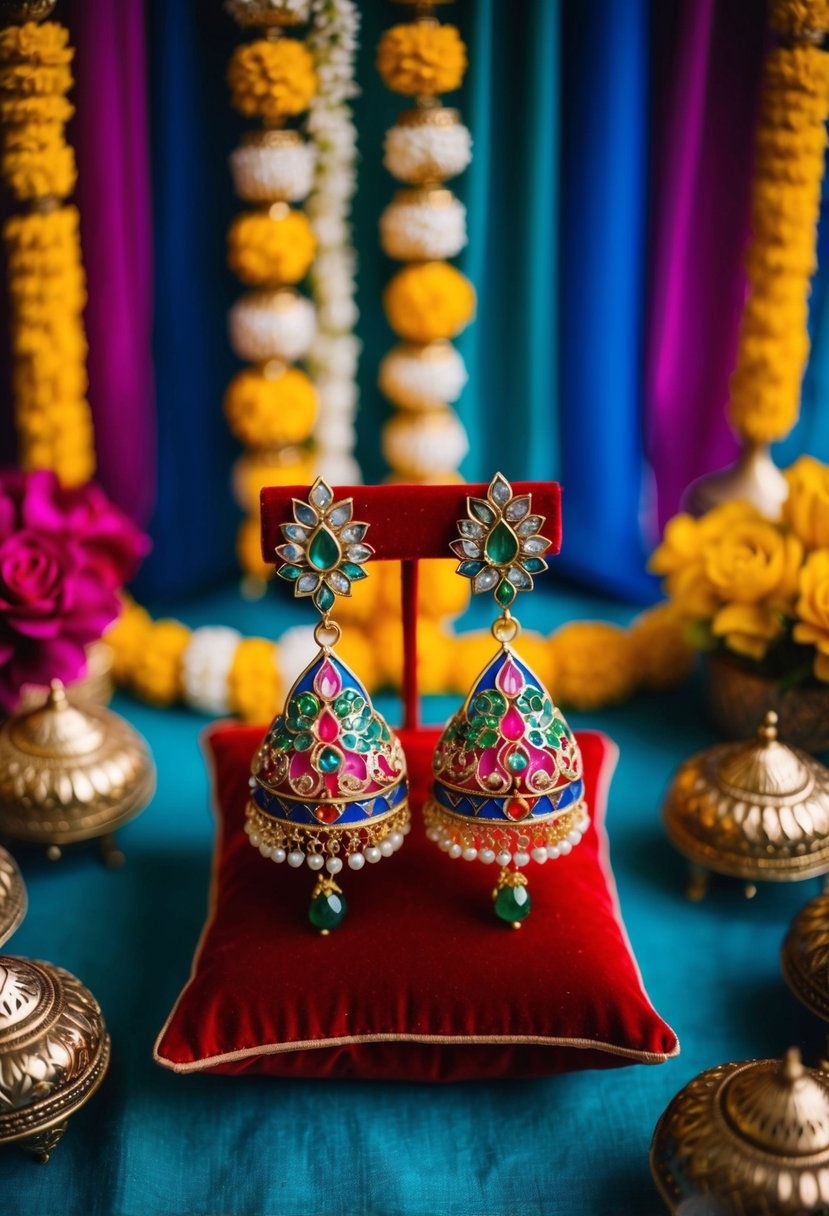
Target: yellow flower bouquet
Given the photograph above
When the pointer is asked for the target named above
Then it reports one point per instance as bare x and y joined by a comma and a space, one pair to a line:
755, 594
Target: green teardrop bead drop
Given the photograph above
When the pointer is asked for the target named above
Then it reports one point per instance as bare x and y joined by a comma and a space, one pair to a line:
324, 550
501, 545
326, 911
513, 904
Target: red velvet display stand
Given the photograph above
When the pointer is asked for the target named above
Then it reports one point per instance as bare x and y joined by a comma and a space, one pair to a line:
421, 982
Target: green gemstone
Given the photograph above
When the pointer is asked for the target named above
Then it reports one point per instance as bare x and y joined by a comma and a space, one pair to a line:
517, 762
353, 571
326, 911
324, 550
329, 760
505, 593
513, 903
324, 599
307, 704
303, 742
534, 565
501, 545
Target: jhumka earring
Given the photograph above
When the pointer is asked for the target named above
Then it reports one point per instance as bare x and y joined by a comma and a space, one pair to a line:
328, 783
507, 771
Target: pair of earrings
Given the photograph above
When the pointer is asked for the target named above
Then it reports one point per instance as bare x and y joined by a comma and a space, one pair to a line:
329, 786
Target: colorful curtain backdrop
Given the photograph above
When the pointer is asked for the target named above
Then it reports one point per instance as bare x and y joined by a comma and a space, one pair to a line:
608, 202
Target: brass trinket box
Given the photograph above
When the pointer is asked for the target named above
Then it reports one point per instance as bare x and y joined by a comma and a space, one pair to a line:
12, 896
750, 1139
71, 771
54, 1052
756, 811
805, 956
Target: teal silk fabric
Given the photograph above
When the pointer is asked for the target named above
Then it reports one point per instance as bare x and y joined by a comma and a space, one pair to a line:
154, 1144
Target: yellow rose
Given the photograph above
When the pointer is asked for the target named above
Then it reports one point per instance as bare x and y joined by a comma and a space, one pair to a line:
812, 627
754, 561
680, 557
663, 655
748, 629
806, 510
594, 664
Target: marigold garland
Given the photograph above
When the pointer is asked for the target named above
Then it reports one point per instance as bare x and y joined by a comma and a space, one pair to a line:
46, 280
271, 249
791, 140
421, 58
270, 409
429, 301
271, 80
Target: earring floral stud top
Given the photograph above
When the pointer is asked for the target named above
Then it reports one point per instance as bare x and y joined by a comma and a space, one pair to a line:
328, 784
507, 770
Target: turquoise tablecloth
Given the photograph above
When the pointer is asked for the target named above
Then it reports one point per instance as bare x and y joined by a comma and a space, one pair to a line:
152, 1143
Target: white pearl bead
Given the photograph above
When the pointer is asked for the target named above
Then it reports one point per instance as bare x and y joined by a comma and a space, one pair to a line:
277, 855
445, 843
265, 849
487, 856
334, 865
521, 858
396, 840
372, 854
470, 854
248, 827
432, 834
574, 837
386, 848
252, 782
406, 829
504, 858
564, 847
356, 861
295, 858
539, 855
553, 851
255, 839
315, 861
455, 850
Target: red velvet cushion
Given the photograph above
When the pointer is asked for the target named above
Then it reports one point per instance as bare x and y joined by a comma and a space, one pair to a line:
420, 982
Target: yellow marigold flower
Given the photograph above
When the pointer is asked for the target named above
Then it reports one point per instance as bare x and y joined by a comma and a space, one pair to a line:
39, 174
44, 43
748, 629
763, 412
539, 655
799, 16
806, 510
421, 58
22, 80
255, 470
358, 653
249, 548
812, 627
254, 685
271, 251
753, 561
801, 68
157, 675
428, 301
440, 593
270, 411
594, 664
663, 655
127, 638
271, 80
16, 110
471, 652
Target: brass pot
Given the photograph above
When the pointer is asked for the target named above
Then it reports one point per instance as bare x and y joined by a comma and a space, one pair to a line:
750, 1139
738, 699
12, 896
805, 956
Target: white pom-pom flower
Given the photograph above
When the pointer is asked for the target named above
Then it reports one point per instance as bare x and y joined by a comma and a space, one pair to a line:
338, 468
427, 152
335, 433
265, 171
205, 668
272, 325
420, 445
335, 355
419, 226
294, 651
420, 377
336, 395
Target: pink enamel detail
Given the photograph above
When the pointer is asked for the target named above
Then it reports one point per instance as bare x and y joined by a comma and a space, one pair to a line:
301, 766
327, 726
512, 724
327, 681
509, 679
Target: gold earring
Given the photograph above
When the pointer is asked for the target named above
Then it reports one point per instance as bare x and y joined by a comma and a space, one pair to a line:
328, 785
508, 785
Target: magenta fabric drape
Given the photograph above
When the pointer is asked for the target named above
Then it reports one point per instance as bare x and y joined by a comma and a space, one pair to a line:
110, 132
707, 58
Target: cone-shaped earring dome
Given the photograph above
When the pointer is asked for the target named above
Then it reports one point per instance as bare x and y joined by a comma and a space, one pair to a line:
329, 758
507, 757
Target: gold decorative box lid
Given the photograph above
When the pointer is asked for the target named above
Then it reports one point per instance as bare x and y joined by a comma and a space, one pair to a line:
805, 956
752, 1138
54, 1051
753, 810
12, 896
70, 771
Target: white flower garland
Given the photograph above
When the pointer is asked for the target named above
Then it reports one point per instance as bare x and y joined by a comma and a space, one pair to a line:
333, 356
